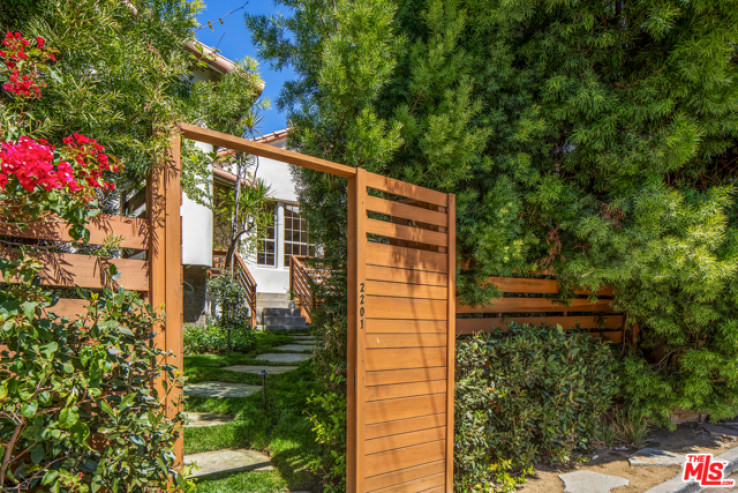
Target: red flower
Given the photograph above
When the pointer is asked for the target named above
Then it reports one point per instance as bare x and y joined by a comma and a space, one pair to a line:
40, 42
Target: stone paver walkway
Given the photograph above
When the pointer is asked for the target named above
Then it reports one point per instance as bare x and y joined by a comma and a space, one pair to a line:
299, 348
284, 357
256, 369
201, 420
227, 461
220, 389
591, 482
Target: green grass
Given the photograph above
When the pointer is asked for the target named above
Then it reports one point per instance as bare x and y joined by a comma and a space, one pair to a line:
282, 431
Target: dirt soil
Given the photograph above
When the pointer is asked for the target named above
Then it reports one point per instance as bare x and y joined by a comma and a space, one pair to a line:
688, 438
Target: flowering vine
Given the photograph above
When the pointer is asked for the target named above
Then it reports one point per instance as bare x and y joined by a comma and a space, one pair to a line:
20, 60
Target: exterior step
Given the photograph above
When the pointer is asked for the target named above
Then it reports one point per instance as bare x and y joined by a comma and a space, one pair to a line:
281, 312
272, 322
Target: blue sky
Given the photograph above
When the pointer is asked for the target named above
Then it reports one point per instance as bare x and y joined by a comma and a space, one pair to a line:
233, 40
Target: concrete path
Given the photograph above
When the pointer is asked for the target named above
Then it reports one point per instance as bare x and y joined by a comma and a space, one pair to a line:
227, 461
201, 420
297, 348
677, 485
284, 357
257, 369
220, 389
591, 482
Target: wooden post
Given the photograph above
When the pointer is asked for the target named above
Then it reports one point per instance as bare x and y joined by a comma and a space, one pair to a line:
165, 260
352, 292
451, 344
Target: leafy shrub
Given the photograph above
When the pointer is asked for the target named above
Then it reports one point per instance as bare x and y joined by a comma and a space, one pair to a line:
527, 394
211, 338
231, 299
79, 410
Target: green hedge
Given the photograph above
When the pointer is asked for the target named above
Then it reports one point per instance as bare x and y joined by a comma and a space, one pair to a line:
525, 395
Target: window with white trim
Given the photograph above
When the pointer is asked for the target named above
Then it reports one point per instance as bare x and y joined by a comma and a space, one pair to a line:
296, 234
266, 247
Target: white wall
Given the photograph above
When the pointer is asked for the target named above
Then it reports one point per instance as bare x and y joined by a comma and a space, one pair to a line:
197, 228
278, 175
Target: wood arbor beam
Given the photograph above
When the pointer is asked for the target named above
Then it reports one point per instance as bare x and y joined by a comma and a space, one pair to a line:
264, 150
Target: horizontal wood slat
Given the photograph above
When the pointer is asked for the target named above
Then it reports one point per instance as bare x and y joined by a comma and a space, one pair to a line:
403, 189
401, 290
406, 276
86, 271
70, 308
394, 391
408, 425
389, 377
405, 258
393, 460
471, 325
406, 308
533, 305
435, 481
400, 479
542, 286
378, 445
407, 233
133, 232
406, 407
397, 359
388, 326
406, 211
379, 340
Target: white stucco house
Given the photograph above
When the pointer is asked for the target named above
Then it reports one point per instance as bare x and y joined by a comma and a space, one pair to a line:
203, 233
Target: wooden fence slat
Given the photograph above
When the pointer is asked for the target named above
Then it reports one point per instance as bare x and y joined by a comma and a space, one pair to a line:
397, 359
407, 233
534, 305
401, 290
394, 391
395, 340
86, 271
471, 325
405, 440
133, 232
406, 258
405, 211
420, 485
397, 326
69, 308
532, 285
396, 459
402, 477
389, 377
404, 189
406, 276
407, 308
406, 407
407, 425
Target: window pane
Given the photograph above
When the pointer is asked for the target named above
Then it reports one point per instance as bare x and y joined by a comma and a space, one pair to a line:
266, 246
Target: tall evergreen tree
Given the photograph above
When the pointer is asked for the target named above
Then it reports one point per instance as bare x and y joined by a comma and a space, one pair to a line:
599, 139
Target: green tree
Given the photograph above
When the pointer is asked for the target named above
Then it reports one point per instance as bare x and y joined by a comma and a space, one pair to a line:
596, 138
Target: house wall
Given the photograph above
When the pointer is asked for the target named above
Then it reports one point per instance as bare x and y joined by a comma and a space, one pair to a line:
279, 176
197, 228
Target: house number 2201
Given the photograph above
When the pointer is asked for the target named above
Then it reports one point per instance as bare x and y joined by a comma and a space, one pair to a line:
361, 306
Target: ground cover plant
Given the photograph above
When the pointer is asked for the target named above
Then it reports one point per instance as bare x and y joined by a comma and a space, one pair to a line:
282, 430
79, 410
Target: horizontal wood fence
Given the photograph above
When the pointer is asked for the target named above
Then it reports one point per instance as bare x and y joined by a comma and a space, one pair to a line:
536, 301
242, 274
145, 250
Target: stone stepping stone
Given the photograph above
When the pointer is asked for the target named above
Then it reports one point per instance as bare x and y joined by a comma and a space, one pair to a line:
298, 348
655, 457
220, 389
227, 461
304, 339
284, 357
271, 370
201, 420
590, 482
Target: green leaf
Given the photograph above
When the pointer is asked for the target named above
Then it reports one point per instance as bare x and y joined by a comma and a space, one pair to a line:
29, 309
37, 453
80, 432
68, 417
28, 409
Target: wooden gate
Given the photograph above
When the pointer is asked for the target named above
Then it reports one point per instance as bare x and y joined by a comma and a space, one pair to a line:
401, 327
401, 365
